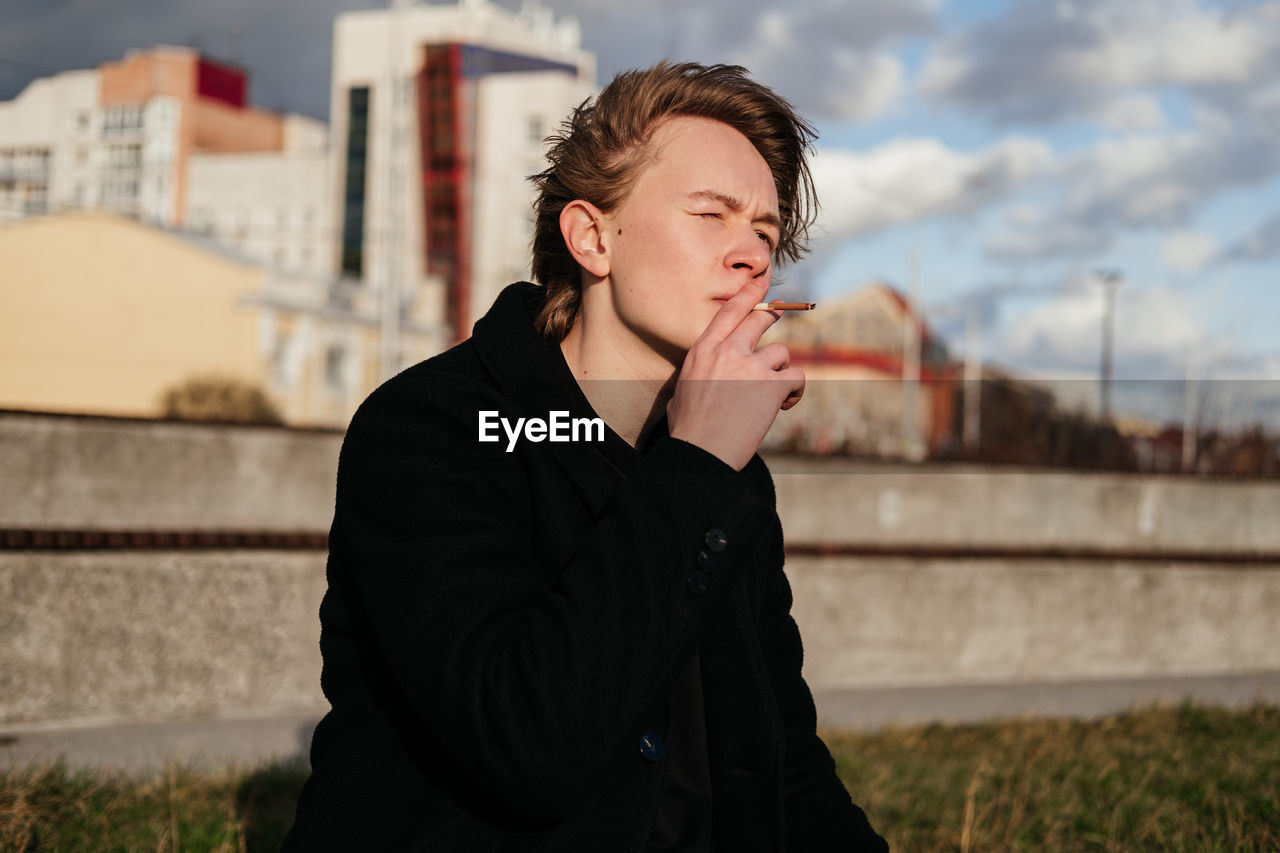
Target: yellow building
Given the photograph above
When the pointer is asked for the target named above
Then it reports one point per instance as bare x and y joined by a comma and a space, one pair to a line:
100, 314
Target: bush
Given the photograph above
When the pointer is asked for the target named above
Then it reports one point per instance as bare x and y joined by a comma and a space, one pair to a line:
219, 399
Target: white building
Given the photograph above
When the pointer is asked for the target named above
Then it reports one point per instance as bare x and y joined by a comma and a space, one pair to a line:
438, 117
120, 136
381, 240
49, 157
272, 206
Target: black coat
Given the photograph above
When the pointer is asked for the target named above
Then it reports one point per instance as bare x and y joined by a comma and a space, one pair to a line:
501, 629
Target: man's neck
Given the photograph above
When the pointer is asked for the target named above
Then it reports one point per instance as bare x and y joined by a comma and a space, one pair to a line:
630, 394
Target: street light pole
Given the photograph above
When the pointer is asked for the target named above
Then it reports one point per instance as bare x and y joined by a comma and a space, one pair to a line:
1111, 281
973, 378
912, 446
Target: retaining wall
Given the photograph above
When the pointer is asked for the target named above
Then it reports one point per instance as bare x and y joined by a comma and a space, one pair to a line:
902, 575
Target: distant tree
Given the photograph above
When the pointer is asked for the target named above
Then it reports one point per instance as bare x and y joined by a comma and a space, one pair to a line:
1022, 425
221, 399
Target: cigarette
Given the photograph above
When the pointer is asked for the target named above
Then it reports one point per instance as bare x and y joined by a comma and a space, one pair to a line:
784, 306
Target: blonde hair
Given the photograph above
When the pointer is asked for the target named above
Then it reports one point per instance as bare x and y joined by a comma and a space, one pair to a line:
601, 148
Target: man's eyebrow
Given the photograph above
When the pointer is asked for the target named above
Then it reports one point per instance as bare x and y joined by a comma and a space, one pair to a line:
736, 205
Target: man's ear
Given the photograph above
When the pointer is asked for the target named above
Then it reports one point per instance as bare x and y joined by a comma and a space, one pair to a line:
582, 226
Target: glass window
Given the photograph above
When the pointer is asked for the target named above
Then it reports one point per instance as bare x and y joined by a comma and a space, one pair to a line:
354, 190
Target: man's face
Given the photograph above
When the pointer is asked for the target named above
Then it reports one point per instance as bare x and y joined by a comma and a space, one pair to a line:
700, 222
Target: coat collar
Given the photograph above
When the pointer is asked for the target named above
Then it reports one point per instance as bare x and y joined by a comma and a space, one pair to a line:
516, 356
529, 369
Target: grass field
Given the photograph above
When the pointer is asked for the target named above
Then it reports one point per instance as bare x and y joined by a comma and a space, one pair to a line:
1186, 779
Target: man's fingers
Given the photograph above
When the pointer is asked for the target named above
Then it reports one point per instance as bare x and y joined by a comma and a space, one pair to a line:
736, 309
796, 376
776, 355
752, 328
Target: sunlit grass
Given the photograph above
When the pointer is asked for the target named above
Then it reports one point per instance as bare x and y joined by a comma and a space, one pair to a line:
51, 807
1185, 779
1193, 779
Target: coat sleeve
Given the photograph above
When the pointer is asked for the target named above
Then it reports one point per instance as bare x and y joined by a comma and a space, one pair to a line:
819, 815
530, 684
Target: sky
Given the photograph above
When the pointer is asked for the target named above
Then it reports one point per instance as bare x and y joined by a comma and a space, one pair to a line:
989, 157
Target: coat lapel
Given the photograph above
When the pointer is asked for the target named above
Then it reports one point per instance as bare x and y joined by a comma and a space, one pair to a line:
522, 365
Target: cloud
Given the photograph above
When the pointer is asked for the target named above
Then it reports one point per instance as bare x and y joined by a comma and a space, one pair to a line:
860, 84
1155, 329
1140, 180
1044, 62
910, 179
1261, 244
1033, 232
1186, 250
826, 56
284, 44
1131, 112
1112, 64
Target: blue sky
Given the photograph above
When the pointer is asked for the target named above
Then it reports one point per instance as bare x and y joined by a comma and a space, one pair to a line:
1013, 146
1199, 269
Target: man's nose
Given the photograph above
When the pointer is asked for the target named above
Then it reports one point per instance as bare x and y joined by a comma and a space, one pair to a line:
749, 253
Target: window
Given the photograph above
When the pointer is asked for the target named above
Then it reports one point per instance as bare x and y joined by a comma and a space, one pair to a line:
124, 157
335, 360
119, 121
281, 358
354, 191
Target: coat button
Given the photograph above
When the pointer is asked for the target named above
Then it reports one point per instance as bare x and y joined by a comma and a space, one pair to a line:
716, 540
651, 746
707, 561
698, 582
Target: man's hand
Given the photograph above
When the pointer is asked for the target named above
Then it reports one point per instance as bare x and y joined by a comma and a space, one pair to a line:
728, 392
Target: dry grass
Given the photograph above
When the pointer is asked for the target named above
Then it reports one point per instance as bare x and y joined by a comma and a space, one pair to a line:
1190, 779
1187, 779
182, 808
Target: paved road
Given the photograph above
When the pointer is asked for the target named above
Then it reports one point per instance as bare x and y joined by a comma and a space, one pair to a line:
258, 740
873, 708
133, 747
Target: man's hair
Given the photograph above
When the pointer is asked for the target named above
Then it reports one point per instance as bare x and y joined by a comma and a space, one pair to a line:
603, 146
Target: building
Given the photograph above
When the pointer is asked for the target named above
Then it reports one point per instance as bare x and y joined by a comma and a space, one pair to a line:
50, 146
878, 381
438, 114
101, 314
370, 247
272, 206
120, 136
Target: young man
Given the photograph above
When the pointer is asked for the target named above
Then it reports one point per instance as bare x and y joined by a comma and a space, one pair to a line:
533, 642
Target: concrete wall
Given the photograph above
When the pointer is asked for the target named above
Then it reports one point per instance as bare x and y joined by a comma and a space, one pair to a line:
152, 634
838, 501
999, 574
158, 635
1144, 576
890, 621
67, 472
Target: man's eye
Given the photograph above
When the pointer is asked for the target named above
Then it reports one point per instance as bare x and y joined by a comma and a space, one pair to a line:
766, 238
711, 215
